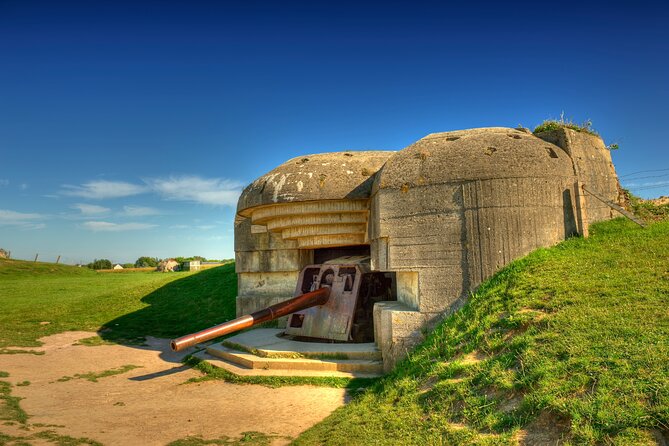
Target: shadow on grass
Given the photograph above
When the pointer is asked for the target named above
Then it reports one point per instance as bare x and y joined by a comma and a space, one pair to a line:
180, 307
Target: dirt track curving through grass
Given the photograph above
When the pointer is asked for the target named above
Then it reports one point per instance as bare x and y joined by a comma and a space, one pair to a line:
120, 395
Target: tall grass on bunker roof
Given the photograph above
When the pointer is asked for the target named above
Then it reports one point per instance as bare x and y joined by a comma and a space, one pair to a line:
564, 122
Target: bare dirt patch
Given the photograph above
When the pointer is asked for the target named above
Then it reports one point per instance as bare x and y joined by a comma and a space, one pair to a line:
148, 404
473, 358
547, 429
537, 315
511, 403
428, 384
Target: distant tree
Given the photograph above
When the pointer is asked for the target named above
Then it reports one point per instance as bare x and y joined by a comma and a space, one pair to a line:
4, 254
146, 262
188, 259
128, 265
100, 264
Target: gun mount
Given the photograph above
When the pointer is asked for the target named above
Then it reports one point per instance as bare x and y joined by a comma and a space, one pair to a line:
333, 301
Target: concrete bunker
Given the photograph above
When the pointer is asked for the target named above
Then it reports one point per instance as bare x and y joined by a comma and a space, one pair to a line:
425, 224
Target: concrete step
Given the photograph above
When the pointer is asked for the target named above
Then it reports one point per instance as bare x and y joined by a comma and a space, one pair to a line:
267, 343
255, 362
243, 371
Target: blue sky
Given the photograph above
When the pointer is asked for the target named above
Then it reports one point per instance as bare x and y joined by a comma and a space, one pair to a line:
129, 128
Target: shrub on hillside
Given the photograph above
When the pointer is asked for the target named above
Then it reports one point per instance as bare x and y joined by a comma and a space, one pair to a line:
146, 262
649, 210
100, 264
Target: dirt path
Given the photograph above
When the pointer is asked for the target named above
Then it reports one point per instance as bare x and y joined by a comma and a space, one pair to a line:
148, 405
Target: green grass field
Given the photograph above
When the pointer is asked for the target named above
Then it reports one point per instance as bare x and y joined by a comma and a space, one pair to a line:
38, 299
572, 340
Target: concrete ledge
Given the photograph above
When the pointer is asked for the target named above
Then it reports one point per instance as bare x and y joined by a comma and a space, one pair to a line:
242, 371
397, 330
264, 342
261, 352
251, 361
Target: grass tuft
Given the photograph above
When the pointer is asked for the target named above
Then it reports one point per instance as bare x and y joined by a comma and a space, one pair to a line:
556, 124
94, 341
10, 410
65, 440
95, 376
20, 351
247, 438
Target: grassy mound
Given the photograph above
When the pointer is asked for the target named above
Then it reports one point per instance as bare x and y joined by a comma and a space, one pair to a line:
14, 269
569, 343
191, 303
39, 299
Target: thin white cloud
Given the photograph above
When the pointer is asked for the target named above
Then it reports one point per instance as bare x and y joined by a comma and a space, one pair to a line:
101, 189
139, 211
90, 209
21, 219
208, 238
105, 226
194, 227
651, 183
212, 191
4, 182
23, 186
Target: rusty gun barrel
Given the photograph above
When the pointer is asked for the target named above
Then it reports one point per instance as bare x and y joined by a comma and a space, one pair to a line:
301, 302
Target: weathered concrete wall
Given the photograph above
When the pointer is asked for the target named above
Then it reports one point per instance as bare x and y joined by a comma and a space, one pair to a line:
397, 330
593, 167
508, 218
454, 208
421, 238
267, 267
458, 206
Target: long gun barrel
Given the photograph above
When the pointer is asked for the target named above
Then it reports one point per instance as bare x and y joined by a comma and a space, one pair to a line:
301, 302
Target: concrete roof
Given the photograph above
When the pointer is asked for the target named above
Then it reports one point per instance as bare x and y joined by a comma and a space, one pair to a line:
484, 153
325, 176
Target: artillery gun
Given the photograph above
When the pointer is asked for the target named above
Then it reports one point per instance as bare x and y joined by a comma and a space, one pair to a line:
333, 301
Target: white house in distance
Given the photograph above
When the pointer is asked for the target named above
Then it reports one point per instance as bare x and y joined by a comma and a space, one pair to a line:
117, 266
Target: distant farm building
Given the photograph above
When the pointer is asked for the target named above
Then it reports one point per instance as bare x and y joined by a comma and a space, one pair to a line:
168, 265
193, 265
